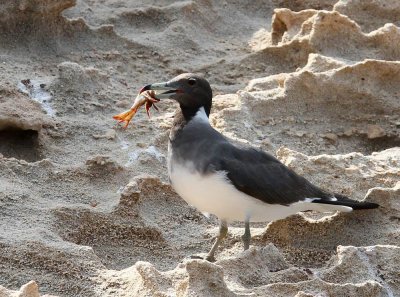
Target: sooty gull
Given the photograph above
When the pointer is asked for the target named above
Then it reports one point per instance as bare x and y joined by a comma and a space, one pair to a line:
233, 182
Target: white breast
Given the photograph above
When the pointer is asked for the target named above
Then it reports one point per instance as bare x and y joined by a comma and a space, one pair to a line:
214, 194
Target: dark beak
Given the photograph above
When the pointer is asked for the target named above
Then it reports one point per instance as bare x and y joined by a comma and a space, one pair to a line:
162, 90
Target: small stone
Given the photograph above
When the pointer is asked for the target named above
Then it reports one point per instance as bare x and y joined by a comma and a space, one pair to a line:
331, 137
300, 133
352, 169
350, 132
110, 134
30, 289
267, 142
93, 203
102, 161
130, 194
290, 119
375, 131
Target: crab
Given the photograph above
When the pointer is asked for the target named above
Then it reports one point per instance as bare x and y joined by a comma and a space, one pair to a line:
146, 98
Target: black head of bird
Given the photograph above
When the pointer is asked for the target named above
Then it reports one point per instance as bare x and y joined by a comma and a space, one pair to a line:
191, 91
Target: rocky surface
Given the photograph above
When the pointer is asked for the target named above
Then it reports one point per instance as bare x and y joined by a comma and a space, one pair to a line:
86, 208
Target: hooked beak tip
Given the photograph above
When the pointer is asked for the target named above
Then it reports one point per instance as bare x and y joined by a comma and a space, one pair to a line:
145, 88
162, 90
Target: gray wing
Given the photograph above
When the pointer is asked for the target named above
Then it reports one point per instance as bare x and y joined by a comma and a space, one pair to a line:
251, 171
262, 176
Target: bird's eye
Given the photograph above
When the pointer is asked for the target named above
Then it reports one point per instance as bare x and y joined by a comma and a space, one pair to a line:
191, 81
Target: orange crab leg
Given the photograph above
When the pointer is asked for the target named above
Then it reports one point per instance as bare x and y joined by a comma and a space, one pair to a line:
126, 116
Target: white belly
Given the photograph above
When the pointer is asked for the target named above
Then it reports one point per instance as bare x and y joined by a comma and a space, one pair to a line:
214, 194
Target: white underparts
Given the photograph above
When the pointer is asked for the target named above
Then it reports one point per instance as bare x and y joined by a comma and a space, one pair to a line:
213, 193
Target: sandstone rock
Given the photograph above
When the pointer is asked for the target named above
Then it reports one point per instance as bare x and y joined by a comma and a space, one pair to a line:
102, 163
205, 279
331, 137
76, 78
328, 67
350, 132
319, 63
375, 131
376, 263
285, 23
19, 111
20, 10
201, 277
370, 14
356, 182
309, 93
130, 193
30, 289
316, 286
314, 27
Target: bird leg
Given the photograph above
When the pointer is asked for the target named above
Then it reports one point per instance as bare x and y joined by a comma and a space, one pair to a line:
223, 231
246, 236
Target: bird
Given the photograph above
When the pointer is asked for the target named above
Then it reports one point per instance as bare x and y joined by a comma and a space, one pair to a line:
234, 182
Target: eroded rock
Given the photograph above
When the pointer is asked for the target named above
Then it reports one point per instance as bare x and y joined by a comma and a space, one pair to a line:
375, 131
23, 10
102, 163
76, 78
30, 289
322, 80
328, 32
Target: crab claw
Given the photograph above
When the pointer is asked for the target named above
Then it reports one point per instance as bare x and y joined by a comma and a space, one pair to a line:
126, 116
150, 104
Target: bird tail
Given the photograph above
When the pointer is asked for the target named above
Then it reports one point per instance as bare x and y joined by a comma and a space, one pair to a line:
345, 201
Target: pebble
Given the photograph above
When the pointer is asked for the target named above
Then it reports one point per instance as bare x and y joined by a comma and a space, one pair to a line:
93, 203
350, 132
331, 137
375, 131
300, 133
110, 134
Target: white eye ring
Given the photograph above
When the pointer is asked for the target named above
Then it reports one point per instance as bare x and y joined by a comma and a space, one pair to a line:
191, 81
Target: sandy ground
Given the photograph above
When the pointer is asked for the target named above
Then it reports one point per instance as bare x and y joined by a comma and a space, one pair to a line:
86, 208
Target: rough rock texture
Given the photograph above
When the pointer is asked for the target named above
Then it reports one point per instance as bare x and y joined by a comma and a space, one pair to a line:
86, 208
18, 111
360, 11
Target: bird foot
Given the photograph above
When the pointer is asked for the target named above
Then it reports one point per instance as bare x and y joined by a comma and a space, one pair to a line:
207, 258
210, 259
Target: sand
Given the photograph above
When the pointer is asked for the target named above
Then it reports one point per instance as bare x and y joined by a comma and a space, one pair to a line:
85, 206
